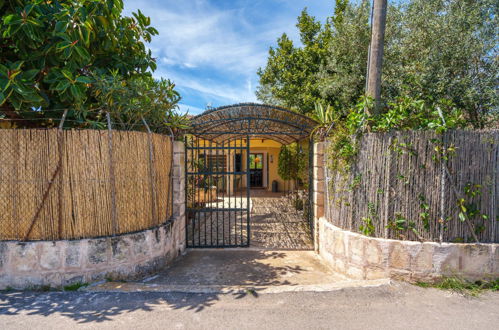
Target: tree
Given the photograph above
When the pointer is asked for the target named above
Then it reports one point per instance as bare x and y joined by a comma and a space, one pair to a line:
448, 49
342, 77
55, 55
433, 50
289, 78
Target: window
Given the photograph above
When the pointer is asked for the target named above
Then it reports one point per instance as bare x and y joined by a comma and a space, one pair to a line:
256, 161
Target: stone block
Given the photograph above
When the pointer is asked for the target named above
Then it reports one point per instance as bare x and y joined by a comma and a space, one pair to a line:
51, 255
139, 245
340, 265
399, 257
355, 272
27, 282
120, 248
150, 266
494, 251
73, 254
319, 198
98, 251
318, 186
373, 252
318, 160
422, 262
446, 259
24, 257
4, 254
179, 159
318, 211
178, 146
338, 244
474, 259
319, 148
356, 250
178, 171
400, 274
375, 273
319, 173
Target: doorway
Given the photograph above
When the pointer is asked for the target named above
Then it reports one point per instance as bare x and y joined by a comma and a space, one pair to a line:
256, 170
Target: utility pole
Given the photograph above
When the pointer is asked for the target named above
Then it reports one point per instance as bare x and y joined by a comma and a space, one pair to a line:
376, 52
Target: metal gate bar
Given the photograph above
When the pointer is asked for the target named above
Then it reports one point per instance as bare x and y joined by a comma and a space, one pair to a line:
216, 214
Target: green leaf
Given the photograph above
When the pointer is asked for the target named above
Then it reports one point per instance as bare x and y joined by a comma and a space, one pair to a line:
62, 86
60, 27
2, 96
33, 97
30, 74
462, 217
14, 74
103, 21
82, 52
75, 92
16, 65
62, 45
83, 79
67, 74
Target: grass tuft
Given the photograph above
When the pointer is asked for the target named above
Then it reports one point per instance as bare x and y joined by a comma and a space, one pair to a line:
462, 286
74, 286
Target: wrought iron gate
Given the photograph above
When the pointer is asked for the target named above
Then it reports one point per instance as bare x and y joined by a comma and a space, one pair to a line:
217, 192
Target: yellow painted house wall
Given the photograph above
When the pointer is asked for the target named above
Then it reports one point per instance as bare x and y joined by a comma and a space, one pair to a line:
271, 149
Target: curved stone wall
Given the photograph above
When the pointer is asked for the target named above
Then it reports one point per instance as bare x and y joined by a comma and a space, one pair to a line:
33, 264
362, 257
59, 263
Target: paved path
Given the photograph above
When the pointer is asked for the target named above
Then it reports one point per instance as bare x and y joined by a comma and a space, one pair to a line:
275, 223
399, 306
240, 270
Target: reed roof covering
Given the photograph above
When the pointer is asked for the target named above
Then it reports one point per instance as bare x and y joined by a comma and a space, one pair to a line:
254, 120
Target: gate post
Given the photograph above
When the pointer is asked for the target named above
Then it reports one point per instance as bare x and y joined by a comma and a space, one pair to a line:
318, 189
179, 199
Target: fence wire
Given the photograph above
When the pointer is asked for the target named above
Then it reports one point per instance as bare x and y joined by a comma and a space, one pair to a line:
70, 184
419, 186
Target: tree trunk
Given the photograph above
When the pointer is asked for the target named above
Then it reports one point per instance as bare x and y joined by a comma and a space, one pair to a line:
376, 53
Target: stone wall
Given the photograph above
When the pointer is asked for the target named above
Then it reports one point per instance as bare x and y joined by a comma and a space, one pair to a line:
362, 257
59, 263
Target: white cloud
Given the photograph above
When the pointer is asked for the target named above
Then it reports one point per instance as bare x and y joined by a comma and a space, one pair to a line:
198, 34
184, 108
221, 92
213, 50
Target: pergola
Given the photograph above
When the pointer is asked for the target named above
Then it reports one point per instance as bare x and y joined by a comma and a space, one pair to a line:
254, 121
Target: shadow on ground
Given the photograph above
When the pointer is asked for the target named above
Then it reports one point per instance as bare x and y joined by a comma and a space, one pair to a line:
85, 307
242, 272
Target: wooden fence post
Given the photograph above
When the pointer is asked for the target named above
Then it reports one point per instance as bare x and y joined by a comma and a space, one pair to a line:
111, 175
152, 174
60, 143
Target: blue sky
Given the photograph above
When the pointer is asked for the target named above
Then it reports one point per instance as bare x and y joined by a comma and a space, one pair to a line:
212, 49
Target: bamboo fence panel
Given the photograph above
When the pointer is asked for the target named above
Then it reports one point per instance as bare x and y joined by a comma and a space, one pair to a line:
400, 176
79, 201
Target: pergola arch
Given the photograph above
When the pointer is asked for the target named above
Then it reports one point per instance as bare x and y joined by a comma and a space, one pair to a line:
253, 120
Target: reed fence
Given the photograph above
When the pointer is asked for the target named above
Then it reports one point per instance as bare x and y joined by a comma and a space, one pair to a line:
71, 184
419, 185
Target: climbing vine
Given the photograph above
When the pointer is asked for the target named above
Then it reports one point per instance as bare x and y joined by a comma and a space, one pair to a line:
344, 139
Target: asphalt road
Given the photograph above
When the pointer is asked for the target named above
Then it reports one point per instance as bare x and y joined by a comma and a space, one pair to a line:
398, 306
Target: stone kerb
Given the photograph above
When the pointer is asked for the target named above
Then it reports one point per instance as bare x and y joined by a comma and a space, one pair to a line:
362, 257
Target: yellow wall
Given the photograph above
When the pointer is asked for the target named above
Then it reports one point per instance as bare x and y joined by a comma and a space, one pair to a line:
271, 149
